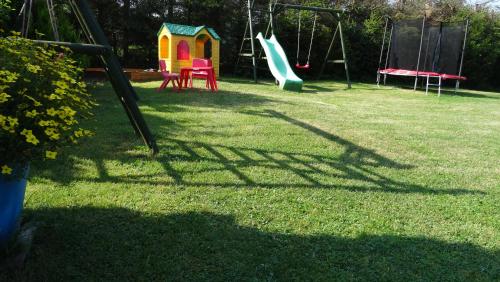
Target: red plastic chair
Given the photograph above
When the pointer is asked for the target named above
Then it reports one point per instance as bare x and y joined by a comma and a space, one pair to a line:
167, 77
200, 74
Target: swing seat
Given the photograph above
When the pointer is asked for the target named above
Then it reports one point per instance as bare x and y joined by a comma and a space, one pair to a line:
306, 66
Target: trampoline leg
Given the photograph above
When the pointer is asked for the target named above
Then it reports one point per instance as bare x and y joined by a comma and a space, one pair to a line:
378, 79
427, 86
439, 87
416, 81
457, 86
385, 78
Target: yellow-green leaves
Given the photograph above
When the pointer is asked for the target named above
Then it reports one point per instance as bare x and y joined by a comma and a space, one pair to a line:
30, 137
41, 99
6, 170
51, 155
4, 97
33, 68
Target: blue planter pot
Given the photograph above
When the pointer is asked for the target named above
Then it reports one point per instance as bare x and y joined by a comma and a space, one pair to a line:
11, 204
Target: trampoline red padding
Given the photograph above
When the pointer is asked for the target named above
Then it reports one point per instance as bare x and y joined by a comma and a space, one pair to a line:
402, 72
451, 76
423, 49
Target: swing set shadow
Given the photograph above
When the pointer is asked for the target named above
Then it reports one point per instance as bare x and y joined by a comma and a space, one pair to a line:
355, 168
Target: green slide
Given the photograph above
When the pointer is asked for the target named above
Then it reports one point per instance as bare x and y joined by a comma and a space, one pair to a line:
278, 64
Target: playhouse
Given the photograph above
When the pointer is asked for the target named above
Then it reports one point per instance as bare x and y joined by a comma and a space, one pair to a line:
179, 44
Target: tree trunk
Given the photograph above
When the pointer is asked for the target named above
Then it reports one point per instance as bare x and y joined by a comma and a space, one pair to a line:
189, 10
125, 39
170, 10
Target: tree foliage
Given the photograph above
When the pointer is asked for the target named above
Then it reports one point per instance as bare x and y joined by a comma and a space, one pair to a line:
131, 26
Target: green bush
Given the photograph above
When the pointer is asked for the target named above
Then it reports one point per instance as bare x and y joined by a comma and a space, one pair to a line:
5, 9
41, 101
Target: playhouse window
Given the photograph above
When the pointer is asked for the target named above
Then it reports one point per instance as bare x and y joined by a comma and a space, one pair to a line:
208, 49
183, 50
203, 47
164, 47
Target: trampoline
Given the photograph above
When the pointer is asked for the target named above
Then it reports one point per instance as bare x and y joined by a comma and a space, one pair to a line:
420, 48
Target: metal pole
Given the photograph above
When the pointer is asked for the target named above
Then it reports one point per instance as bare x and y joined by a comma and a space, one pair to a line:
113, 79
419, 51
53, 19
265, 36
382, 51
82, 22
298, 37
89, 49
457, 84
383, 44
388, 53
389, 47
328, 52
122, 85
309, 8
27, 18
252, 41
312, 38
241, 48
271, 16
344, 53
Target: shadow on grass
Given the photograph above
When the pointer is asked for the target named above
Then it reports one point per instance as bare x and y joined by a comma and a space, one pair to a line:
464, 93
448, 91
117, 244
199, 98
316, 89
308, 88
354, 169
351, 167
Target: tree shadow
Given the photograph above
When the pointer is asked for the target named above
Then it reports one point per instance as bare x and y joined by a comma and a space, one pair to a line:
316, 89
351, 167
308, 88
448, 91
463, 93
268, 81
355, 169
200, 98
117, 244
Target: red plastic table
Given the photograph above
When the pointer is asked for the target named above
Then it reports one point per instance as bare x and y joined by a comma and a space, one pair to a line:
212, 80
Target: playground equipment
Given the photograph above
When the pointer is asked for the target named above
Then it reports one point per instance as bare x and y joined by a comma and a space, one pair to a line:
168, 77
278, 64
307, 65
424, 49
201, 74
100, 47
179, 45
277, 60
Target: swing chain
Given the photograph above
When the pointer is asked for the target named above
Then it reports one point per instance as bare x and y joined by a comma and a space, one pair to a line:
312, 37
311, 42
26, 18
53, 19
298, 37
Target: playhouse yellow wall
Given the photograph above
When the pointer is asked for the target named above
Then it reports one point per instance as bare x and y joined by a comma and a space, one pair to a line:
170, 55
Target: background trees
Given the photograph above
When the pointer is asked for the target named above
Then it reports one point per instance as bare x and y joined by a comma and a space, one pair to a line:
131, 26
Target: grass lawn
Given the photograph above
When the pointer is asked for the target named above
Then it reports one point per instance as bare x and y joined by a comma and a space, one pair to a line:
253, 184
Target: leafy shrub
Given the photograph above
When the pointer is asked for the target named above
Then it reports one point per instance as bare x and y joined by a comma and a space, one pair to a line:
5, 9
41, 101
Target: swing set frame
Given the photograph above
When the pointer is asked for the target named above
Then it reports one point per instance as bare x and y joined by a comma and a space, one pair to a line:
100, 47
274, 9
307, 65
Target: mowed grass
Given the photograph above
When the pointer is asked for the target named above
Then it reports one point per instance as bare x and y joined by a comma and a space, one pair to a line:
252, 183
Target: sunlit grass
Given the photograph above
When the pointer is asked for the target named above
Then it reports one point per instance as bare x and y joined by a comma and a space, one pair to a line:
252, 183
